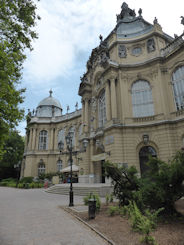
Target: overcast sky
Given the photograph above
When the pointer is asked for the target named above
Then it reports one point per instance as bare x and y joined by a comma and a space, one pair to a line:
68, 31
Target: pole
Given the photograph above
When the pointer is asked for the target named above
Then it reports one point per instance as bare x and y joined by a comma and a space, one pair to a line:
71, 181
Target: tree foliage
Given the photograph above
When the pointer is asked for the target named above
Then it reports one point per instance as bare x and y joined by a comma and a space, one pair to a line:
17, 20
125, 181
160, 187
14, 148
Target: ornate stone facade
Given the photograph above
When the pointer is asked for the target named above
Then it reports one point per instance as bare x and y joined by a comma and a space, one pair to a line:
132, 103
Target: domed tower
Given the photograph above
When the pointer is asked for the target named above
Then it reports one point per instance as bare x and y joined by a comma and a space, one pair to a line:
49, 107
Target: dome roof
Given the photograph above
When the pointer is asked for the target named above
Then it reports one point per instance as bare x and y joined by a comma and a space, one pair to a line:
49, 107
50, 101
128, 25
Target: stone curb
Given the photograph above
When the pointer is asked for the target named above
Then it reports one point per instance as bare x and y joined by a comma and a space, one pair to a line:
89, 226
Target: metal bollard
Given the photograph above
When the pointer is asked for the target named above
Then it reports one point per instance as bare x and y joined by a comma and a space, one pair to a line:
91, 208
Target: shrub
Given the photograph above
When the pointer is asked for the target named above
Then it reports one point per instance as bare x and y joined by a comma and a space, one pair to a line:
144, 223
160, 187
111, 197
107, 198
112, 210
26, 180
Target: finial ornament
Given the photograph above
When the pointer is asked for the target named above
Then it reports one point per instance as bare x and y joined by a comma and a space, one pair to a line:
155, 21
140, 12
76, 106
50, 91
182, 20
101, 38
67, 108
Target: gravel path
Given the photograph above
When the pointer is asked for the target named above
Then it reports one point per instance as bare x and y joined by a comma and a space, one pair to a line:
33, 217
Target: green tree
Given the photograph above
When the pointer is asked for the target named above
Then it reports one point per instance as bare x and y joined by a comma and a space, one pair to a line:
163, 185
14, 148
17, 20
160, 187
125, 181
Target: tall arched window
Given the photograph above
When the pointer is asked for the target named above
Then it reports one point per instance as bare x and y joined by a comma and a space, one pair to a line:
101, 109
142, 101
72, 130
43, 140
59, 165
41, 168
61, 136
178, 87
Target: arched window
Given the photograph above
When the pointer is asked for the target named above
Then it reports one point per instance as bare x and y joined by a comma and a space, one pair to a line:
59, 165
101, 110
178, 87
72, 130
144, 154
41, 168
142, 101
61, 136
43, 140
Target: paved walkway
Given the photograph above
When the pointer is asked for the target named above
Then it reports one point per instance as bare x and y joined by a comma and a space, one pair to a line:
33, 217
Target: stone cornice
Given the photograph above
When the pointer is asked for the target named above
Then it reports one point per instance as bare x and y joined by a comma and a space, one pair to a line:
66, 117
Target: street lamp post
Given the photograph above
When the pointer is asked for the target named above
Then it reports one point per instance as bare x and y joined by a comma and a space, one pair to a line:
17, 167
70, 152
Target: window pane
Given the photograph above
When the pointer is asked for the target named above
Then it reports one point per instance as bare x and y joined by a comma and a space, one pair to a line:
142, 101
43, 140
178, 87
101, 110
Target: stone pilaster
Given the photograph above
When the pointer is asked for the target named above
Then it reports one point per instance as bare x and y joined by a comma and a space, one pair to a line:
113, 98
108, 100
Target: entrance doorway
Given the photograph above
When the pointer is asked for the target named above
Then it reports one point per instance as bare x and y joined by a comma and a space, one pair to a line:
102, 171
144, 154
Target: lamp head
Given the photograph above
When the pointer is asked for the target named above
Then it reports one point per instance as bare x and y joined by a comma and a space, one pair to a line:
145, 138
85, 144
61, 146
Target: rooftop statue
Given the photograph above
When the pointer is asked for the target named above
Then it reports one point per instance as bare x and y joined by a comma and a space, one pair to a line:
125, 12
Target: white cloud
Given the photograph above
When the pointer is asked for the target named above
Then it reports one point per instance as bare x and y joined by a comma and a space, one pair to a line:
69, 27
66, 29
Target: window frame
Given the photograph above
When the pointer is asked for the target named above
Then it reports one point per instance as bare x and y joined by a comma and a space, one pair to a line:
178, 87
43, 140
101, 109
142, 99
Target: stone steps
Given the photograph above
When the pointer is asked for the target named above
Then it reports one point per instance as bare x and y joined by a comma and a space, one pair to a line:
80, 190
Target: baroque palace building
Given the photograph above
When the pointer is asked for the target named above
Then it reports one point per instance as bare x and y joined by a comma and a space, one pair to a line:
132, 105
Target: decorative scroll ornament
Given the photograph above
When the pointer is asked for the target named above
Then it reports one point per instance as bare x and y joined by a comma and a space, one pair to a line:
84, 78
99, 55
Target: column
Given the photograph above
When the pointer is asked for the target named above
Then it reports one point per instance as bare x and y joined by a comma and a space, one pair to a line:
30, 139
108, 100
86, 116
83, 115
33, 138
51, 139
113, 98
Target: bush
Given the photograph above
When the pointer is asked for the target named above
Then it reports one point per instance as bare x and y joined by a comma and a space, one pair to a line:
112, 210
143, 223
10, 182
26, 180
160, 187
93, 196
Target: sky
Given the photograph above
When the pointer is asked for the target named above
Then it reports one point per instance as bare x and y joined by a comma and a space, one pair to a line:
68, 31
